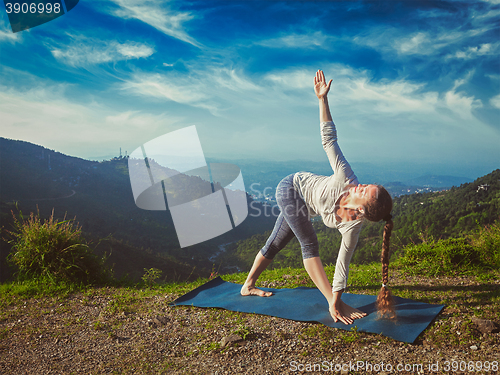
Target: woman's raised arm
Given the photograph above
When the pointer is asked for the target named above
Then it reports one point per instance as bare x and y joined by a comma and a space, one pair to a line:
321, 89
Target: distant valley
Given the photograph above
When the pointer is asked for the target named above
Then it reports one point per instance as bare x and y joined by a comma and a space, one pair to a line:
262, 177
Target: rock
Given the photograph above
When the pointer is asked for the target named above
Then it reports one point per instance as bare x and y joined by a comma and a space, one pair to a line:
160, 321
485, 326
230, 339
473, 347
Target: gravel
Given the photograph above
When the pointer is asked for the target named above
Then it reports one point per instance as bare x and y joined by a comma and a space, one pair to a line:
109, 330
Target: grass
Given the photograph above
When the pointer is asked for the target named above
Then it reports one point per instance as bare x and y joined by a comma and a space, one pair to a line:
196, 329
472, 254
17, 291
444, 272
479, 300
362, 279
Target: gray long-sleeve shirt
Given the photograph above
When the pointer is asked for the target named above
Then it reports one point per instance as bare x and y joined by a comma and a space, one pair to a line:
322, 195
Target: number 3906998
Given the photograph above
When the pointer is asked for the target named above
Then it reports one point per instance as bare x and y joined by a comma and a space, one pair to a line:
33, 7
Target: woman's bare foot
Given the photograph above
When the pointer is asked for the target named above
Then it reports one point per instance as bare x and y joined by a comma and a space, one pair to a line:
345, 313
250, 290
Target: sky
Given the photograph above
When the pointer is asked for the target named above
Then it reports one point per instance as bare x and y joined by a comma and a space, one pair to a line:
414, 82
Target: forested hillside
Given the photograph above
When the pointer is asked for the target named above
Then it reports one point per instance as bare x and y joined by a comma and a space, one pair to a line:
417, 217
99, 196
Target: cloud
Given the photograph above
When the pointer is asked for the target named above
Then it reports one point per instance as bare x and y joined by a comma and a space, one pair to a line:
400, 104
134, 51
162, 86
486, 49
392, 106
181, 89
414, 44
461, 104
493, 76
492, 14
389, 97
231, 79
291, 79
157, 15
435, 38
407, 119
83, 51
7, 35
495, 101
404, 98
303, 41
376, 119
353, 90
395, 41
391, 40
207, 87
352, 86
45, 116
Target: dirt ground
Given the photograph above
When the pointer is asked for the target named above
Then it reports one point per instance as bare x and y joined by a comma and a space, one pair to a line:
114, 331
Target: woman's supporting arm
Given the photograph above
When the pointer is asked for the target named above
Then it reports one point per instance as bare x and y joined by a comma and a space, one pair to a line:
338, 309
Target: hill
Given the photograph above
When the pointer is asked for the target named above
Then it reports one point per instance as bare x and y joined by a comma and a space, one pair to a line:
417, 217
99, 196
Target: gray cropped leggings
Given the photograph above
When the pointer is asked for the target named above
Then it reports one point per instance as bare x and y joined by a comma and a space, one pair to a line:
293, 220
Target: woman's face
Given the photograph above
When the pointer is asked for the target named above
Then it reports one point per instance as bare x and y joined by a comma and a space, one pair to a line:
360, 195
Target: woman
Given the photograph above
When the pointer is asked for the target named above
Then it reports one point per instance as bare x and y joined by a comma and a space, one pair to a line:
343, 203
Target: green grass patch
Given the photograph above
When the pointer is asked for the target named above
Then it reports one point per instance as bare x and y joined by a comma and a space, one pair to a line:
473, 254
12, 292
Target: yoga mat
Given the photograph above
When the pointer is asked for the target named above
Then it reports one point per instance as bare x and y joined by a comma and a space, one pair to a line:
308, 305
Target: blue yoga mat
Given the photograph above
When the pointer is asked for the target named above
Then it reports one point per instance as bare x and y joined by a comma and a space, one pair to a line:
308, 305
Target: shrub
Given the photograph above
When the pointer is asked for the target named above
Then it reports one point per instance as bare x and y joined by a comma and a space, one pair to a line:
420, 259
151, 275
53, 250
443, 257
487, 241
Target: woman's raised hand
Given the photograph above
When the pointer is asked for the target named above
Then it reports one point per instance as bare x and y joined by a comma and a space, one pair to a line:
321, 88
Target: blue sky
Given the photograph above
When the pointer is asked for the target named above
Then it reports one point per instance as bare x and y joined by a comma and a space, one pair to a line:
414, 82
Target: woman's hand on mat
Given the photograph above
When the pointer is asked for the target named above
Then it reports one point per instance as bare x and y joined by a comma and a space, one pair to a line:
249, 290
339, 310
321, 88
